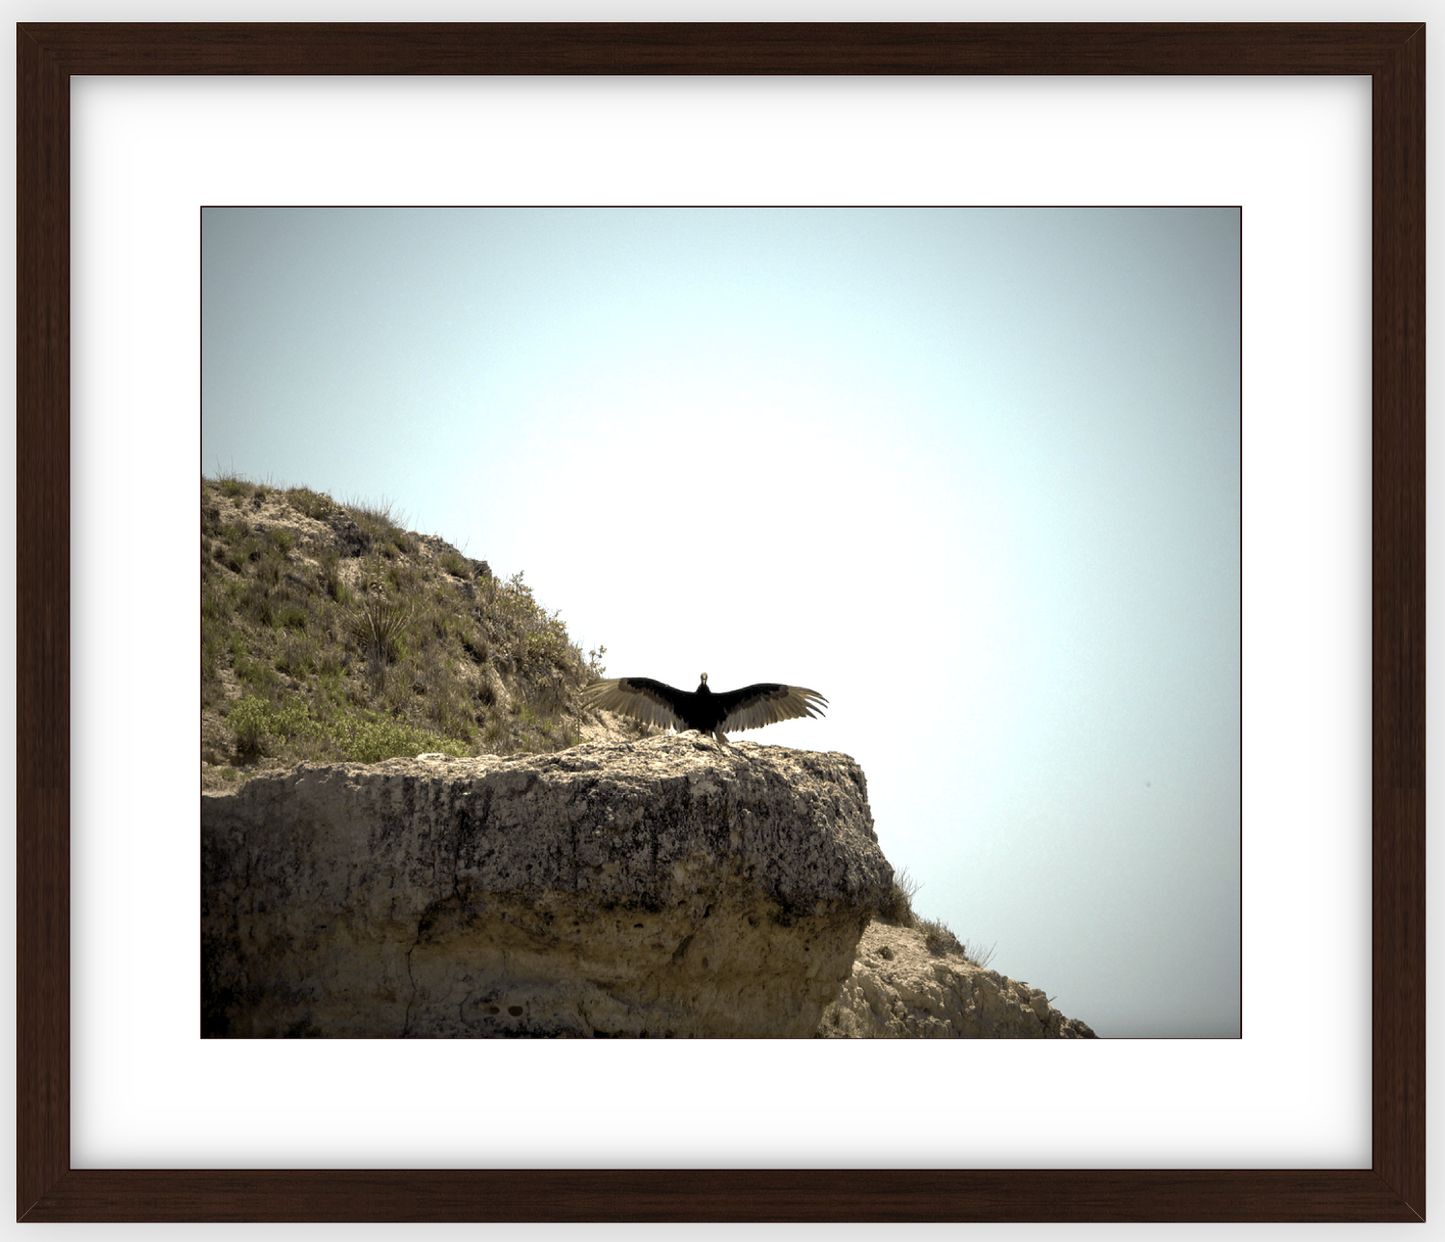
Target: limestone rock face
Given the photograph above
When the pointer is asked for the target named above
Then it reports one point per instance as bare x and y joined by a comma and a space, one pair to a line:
900, 989
669, 886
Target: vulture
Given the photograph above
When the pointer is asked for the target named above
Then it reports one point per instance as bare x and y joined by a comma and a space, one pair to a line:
752, 707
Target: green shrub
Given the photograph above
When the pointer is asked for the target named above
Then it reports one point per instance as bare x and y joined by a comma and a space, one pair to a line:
310, 504
366, 737
259, 725
293, 616
545, 650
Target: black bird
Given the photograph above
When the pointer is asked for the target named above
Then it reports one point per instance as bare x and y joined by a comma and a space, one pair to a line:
656, 703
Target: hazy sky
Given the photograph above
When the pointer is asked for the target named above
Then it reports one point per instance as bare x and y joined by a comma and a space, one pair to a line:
974, 475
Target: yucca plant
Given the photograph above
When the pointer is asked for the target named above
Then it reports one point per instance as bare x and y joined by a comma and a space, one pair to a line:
378, 623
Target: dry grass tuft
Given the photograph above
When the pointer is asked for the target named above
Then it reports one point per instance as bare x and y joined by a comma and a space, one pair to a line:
898, 906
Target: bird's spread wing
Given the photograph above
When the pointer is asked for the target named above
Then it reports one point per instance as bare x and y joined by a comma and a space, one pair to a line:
652, 702
752, 707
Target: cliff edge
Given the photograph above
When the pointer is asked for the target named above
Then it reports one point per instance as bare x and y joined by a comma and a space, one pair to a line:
664, 887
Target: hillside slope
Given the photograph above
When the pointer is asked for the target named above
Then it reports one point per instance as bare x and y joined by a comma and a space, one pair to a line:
329, 632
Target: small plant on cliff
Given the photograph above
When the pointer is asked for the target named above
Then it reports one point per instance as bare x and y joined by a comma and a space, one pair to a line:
981, 957
937, 938
897, 907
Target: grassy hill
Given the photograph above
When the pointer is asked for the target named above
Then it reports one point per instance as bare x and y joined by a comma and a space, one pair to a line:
329, 632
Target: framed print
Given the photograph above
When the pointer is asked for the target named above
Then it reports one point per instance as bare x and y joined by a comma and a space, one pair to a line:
53, 1023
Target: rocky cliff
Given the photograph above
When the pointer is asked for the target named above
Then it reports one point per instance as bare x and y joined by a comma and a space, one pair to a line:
899, 988
669, 886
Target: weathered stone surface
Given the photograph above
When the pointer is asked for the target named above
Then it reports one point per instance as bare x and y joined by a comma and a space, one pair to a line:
669, 886
899, 989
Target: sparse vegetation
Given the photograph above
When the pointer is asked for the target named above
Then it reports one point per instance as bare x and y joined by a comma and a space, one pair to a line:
330, 633
898, 908
982, 957
358, 735
938, 937
308, 503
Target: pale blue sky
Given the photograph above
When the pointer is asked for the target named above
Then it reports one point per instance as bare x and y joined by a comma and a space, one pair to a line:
973, 475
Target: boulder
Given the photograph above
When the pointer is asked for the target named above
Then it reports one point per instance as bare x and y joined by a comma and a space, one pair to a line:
669, 886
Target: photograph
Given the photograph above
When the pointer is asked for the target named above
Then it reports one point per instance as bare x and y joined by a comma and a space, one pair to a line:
720, 622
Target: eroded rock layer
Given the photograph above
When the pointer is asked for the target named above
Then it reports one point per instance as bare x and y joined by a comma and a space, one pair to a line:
664, 887
900, 989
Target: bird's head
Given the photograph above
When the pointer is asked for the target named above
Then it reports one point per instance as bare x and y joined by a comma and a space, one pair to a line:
703, 688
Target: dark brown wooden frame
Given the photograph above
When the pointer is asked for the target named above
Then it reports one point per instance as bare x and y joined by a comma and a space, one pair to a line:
1393, 55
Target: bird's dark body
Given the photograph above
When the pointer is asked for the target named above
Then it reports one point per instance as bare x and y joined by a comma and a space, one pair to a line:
657, 703
701, 709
